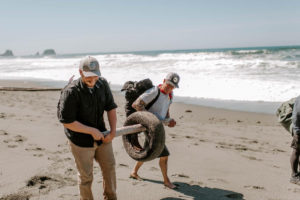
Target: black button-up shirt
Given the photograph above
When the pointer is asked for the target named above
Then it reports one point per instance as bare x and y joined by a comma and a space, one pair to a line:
80, 103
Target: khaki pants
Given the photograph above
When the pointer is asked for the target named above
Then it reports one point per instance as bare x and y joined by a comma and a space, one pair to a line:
84, 157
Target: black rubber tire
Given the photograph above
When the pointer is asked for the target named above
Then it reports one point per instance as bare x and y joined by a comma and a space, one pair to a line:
155, 137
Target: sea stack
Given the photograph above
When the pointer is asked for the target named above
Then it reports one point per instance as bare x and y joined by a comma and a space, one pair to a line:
8, 53
49, 52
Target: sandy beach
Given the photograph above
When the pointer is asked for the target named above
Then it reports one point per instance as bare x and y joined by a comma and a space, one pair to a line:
215, 154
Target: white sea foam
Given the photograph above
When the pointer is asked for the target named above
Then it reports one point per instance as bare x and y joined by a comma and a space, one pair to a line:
245, 75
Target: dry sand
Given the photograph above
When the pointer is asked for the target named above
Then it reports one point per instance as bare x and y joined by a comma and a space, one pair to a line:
215, 154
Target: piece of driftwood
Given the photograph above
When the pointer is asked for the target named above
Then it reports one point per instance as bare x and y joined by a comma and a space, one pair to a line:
28, 89
127, 130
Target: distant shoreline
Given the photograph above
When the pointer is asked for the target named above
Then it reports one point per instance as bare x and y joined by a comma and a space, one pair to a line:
245, 106
158, 51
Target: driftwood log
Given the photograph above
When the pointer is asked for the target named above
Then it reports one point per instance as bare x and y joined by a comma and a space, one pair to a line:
28, 89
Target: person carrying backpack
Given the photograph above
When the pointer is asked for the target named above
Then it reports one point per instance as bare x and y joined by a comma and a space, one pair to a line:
163, 95
80, 109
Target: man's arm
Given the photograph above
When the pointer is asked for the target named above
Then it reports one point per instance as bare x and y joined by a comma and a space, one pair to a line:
171, 121
79, 127
168, 114
139, 105
112, 119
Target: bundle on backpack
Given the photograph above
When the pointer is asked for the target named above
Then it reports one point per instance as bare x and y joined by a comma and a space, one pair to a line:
133, 90
284, 114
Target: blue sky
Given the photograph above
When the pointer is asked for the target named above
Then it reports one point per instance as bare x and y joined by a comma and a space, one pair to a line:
82, 26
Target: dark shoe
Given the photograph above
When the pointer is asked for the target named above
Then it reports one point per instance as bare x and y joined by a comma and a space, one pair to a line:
295, 179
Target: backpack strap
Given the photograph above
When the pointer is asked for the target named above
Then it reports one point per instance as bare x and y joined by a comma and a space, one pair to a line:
154, 100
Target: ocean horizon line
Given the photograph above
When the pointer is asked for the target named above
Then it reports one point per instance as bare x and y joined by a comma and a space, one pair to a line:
158, 51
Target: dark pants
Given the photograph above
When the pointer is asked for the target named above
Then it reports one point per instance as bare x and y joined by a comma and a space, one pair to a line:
296, 142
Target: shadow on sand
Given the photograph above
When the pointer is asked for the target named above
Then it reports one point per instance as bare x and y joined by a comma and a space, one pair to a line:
201, 193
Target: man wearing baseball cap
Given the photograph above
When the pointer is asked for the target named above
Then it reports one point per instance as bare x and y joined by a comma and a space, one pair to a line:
163, 95
80, 109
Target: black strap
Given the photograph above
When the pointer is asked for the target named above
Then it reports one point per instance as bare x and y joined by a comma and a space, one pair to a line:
153, 101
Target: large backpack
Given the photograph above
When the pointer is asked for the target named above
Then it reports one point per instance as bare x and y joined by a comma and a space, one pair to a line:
133, 90
284, 114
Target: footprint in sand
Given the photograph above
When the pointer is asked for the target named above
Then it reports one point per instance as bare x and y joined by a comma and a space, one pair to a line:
278, 150
47, 183
238, 147
295, 190
70, 171
195, 183
68, 159
62, 145
254, 187
68, 196
180, 175
17, 196
123, 165
189, 137
20, 138
7, 140
253, 158
2, 115
40, 185
38, 151
12, 146
12, 142
154, 169
63, 151
219, 180
39, 180
38, 155
3, 132
35, 149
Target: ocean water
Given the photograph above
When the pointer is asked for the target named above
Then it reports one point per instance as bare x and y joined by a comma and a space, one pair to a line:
252, 79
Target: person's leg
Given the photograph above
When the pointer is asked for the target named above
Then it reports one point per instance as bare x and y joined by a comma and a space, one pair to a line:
134, 173
105, 157
295, 161
295, 177
163, 163
84, 162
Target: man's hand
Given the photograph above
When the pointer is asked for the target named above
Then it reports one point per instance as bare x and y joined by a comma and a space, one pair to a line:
109, 137
83, 129
97, 135
172, 123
